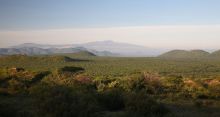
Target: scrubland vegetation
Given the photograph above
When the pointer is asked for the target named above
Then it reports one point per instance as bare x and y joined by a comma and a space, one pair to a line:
78, 86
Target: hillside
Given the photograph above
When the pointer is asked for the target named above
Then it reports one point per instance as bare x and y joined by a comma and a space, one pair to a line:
215, 54
104, 53
23, 59
38, 51
199, 53
92, 53
98, 78
185, 54
24, 50
83, 54
108, 47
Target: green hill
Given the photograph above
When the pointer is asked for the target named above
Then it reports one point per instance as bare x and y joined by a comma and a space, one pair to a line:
15, 59
185, 54
215, 54
199, 53
84, 53
78, 54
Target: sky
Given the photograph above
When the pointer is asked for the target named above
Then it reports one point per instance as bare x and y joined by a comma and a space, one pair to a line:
179, 24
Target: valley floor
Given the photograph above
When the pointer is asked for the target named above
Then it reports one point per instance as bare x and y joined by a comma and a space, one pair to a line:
66, 86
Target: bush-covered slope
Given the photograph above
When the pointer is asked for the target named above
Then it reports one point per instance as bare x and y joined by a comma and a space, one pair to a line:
185, 54
14, 59
215, 54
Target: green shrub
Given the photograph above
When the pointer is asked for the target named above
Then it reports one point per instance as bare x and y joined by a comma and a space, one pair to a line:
7, 110
59, 101
134, 84
69, 69
3, 74
143, 105
112, 99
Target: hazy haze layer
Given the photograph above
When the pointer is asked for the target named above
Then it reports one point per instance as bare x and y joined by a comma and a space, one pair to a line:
166, 36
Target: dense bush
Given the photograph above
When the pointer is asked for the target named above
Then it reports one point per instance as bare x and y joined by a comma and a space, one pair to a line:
109, 87
60, 101
3, 74
7, 110
141, 104
69, 69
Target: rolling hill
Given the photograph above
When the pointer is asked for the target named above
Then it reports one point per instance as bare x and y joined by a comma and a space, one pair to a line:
215, 54
25, 50
185, 54
104, 48
39, 51
26, 59
88, 54
109, 48
49, 51
123, 49
83, 54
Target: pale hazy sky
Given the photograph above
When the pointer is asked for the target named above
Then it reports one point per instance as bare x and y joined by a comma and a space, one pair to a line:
179, 24
179, 36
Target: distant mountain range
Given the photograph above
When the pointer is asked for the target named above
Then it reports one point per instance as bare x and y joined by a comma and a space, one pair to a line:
190, 54
40, 51
104, 48
37, 51
100, 48
124, 49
